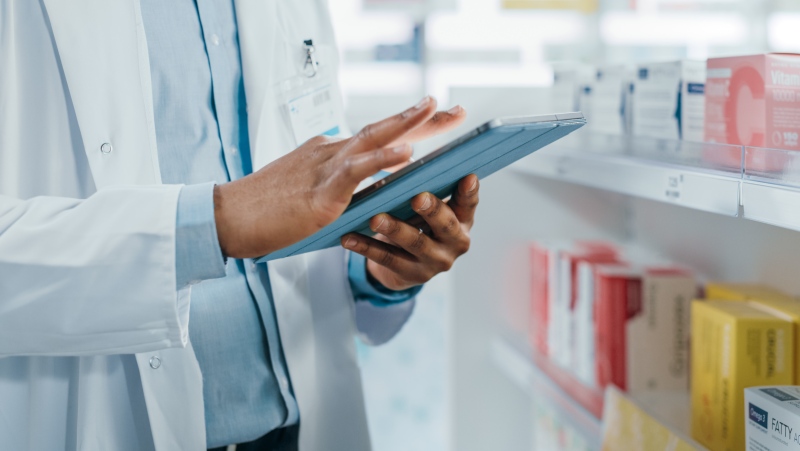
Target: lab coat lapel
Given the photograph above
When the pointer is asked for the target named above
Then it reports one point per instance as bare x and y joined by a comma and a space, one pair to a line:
103, 52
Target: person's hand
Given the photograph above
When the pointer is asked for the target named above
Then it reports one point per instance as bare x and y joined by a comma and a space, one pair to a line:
402, 255
297, 195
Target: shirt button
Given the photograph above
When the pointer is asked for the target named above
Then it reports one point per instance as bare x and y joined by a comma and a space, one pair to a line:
234, 150
284, 384
106, 148
215, 39
155, 362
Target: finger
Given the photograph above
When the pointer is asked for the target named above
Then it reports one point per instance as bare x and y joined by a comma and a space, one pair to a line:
384, 133
465, 199
440, 217
384, 254
353, 169
409, 238
441, 122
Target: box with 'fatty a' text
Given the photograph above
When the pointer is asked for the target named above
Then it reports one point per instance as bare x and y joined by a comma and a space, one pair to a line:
772, 418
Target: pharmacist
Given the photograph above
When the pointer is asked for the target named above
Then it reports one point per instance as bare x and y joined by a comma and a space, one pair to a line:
147, 154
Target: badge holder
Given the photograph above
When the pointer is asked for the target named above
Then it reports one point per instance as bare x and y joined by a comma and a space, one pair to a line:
311, 100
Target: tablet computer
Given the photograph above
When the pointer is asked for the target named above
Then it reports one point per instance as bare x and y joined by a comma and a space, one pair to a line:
482, 151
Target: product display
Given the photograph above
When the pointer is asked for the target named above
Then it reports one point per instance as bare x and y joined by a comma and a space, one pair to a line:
768, 297
608, 107
753, 101
642, 327
668, 100
566, 330
772, 418
735, 345
572, 87
550, 307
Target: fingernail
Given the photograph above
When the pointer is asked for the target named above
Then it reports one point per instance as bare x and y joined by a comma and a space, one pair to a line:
350, 242
401, 149
473, 186
426, 204
423, 103
382, 224
455, 110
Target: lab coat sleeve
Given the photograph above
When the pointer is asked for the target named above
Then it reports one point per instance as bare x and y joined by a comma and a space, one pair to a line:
93, 276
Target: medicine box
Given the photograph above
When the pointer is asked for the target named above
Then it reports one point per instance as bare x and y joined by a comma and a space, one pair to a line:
772, 418
754, 101
768, 297
549, 309
668, 100
642, 327
735, 345
572, 87
609, 93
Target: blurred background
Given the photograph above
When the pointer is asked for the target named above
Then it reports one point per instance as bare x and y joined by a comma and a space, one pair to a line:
429, 389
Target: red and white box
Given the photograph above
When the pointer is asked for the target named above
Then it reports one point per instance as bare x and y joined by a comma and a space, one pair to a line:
754, 101
642, 327
564, 325
548, 316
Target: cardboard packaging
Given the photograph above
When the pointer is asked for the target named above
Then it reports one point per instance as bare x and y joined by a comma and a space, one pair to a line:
572, 87
735, 345
768, 297
772, 418
668, 100
642, 327
549, 309
754, 101
566, 331
608, 108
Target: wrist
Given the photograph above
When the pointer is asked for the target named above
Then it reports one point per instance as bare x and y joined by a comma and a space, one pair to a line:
224, 228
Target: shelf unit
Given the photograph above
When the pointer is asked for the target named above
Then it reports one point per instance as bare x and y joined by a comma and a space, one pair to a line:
514, 361
651, 420
757, 184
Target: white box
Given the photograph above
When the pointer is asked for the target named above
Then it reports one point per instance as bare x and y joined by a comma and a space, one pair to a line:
772, 418
669, 100
607, 109
572, 87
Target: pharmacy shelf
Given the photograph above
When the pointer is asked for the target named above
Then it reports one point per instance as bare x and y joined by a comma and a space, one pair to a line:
756, 184
660, 170
771, 187
516, 363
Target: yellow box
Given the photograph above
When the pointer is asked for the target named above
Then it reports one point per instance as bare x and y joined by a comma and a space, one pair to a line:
769, 297
735, 345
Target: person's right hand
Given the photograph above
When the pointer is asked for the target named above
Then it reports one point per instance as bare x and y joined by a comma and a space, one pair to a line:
296, 195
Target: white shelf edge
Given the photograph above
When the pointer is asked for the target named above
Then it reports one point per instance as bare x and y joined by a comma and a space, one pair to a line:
522, 372
771, 204
669, 184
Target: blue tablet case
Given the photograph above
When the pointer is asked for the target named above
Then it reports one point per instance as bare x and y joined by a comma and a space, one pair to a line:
494, 146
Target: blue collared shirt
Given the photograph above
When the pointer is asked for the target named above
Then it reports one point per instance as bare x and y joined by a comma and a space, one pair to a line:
202, 137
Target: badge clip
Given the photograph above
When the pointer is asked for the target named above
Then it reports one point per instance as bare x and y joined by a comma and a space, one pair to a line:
311, 65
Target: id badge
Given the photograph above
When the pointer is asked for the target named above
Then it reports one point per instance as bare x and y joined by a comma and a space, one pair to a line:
315, 113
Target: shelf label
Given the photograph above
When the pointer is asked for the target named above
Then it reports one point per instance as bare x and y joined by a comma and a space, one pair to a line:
672, 191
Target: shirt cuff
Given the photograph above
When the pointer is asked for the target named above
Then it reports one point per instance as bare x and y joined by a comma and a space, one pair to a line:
198, 255
365, 289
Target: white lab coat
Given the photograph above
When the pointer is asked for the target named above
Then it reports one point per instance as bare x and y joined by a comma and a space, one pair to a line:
88, 306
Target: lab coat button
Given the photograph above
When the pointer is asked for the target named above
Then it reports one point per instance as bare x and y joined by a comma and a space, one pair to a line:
155, 362
106, 148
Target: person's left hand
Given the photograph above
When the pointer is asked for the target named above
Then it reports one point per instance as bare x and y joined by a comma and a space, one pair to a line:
402, 256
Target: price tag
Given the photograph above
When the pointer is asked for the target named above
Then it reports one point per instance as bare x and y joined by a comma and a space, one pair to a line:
673, 189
